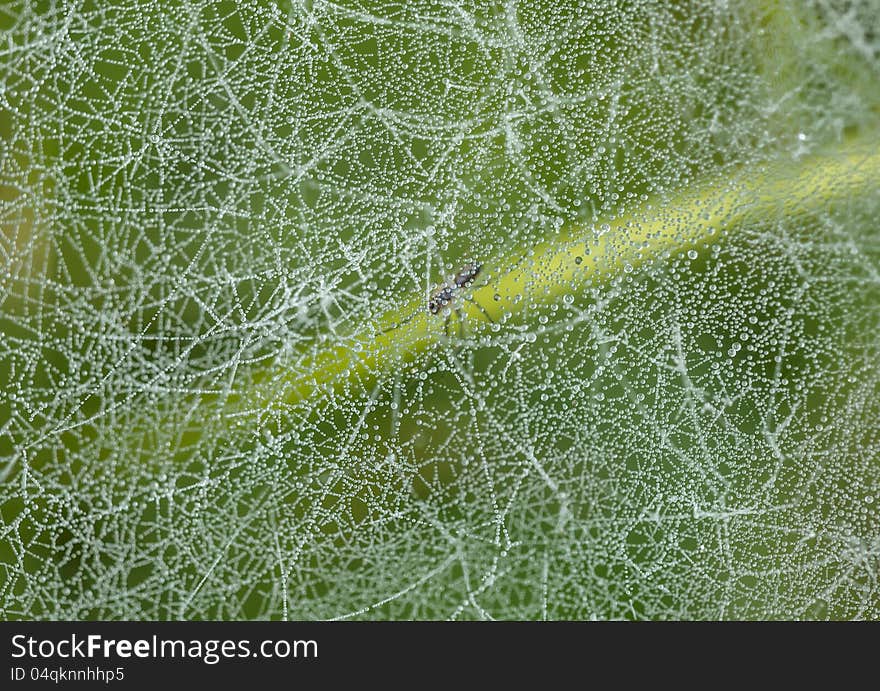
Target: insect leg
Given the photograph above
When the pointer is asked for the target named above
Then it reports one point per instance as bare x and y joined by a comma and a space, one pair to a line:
481, 308
399, 324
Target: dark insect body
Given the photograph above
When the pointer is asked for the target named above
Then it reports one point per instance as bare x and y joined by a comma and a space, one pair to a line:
445, 294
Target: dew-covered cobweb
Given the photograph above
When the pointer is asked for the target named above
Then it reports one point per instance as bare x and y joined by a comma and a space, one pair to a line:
198, 197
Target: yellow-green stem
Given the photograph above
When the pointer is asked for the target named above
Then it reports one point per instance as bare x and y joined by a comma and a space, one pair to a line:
582, 258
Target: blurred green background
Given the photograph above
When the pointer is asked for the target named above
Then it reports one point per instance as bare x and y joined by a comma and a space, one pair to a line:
196, 197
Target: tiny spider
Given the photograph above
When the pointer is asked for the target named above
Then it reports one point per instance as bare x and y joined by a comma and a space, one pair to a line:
444, 296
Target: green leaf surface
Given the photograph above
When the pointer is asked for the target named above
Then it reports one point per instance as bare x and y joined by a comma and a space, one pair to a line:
223, 393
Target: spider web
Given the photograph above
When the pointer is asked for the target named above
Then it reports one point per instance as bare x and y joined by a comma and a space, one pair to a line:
192, 194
